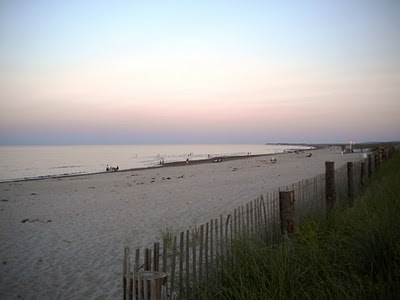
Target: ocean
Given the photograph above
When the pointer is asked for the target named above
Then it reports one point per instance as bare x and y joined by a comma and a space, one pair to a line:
28, 162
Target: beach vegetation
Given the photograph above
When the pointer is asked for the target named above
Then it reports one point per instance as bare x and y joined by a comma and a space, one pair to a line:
353, 253
167, 236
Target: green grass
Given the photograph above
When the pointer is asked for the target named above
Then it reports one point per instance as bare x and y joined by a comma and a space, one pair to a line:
352, 254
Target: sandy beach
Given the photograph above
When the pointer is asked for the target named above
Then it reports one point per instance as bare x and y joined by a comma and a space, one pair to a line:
63, 238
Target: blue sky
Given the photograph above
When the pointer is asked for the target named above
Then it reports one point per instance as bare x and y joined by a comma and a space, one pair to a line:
82, 72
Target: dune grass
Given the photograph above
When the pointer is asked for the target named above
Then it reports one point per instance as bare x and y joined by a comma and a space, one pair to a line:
352, 254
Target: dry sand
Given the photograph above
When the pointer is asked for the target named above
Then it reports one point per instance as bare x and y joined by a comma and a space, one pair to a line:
64, 238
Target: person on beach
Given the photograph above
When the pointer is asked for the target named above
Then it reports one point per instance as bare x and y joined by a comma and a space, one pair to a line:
187, 161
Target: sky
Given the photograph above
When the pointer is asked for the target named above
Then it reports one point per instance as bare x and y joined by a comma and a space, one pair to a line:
179, 72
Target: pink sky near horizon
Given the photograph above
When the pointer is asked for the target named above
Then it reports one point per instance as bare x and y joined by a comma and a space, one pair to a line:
292, 78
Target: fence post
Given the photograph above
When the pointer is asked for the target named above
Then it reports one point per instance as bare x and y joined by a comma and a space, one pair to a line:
369, 165
286, 209
362, 175
126, 271
377, 161
330, 192
350, 181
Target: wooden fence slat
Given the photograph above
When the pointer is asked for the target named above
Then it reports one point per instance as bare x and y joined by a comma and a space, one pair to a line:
173, 264
135, 270
158, 256
194, 261
265, 225
247, 220
153, 292
155, 256
235, 223
273, 215
140, 286
362, 174
239, 221
243, 227
260, 217
137, 260
201, 254
187, 265
211, 241
369, 165
254, 209
230, 239
164, 256
146, 259
216, 244
126, 253
126, 272
315, 195
226, 240
228, 217
267, 219
259, 214
330, 192
350, 181
221, 235
181, 258
251, 218
145, 289
255, 205
206, 250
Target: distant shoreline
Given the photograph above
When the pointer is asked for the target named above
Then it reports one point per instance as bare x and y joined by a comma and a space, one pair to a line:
165, 165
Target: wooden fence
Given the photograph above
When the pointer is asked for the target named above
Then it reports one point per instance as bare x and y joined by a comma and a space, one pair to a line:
178, 267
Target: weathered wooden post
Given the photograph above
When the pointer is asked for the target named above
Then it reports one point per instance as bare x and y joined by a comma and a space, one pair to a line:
147, 259
286, 210
126, 271
362, 175
350, 181
369, 165
330, 192
376, 161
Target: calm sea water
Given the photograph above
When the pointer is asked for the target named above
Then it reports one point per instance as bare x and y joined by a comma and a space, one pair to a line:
24, 162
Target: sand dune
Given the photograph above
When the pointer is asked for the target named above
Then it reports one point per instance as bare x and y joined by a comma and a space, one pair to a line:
64, 238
